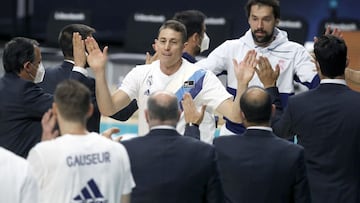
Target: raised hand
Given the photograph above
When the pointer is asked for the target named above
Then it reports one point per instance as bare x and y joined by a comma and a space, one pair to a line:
266, 73
96, 59
109, 132
48, 123
245, 70
191, 114
336, 32
149, 59
78, 50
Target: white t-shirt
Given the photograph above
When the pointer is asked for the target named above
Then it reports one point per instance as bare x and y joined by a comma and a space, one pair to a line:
79, 168
18, 184
203, 85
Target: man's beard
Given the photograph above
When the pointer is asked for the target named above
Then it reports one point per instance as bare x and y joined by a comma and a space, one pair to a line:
264, 39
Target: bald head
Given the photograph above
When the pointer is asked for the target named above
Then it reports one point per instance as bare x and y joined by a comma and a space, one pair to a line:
162, 109
256, 105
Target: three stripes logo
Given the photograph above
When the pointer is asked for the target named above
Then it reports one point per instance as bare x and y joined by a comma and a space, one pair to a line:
90, 194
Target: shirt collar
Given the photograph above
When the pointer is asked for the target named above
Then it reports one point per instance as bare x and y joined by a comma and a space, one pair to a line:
333, 81
188, 57
163, 127
70, 61
259, 128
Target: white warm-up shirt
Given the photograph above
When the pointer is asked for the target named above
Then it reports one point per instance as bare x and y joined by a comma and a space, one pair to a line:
80, 168
18, 184
294, 61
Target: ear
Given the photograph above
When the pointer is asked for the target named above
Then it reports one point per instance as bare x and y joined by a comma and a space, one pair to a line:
54, 108
347, 61
90, 111
242, 115
277, 21
195, 37
317, 67
147, 116
179, 115
244, 121
27, 66
273, 110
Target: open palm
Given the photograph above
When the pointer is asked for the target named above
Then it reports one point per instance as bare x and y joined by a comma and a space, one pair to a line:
246, 68
96, 59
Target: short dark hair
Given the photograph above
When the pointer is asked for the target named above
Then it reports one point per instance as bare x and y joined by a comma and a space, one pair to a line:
275, 4
73, 100
66, 35
176, 26
257, 108
163, 110
18, 51
331, 52
193, 21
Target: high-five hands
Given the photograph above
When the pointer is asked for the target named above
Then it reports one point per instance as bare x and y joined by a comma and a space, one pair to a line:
79, 50
191, 114
97, 59
266, 73
245, 70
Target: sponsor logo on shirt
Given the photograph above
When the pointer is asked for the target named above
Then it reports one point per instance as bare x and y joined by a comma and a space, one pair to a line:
189, 84
90, 193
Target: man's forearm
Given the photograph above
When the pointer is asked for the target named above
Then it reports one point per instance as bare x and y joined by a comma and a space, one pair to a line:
103, 96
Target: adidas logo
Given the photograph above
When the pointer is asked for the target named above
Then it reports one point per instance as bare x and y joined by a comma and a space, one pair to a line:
90, 194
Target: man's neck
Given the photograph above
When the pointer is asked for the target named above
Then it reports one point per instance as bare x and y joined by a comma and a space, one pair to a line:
72, 128
341, 77
169, 70
190, 51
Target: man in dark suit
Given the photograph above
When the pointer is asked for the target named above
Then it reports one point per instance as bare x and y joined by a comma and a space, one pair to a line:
168, 167
63, 71
326, 122
23, 102
257, 166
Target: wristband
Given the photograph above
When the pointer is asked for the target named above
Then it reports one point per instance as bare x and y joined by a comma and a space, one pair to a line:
192, 124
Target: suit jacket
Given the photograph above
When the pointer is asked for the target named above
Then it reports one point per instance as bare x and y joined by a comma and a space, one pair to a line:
259, 167
22, 106
57, 74
168, 167
326, 122
53, 76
